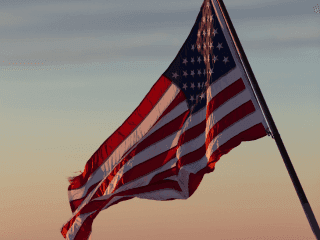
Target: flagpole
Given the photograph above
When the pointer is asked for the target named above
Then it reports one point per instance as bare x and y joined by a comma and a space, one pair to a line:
274, 131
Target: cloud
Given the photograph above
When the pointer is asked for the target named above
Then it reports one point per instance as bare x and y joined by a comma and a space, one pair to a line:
85, 49
10, 20
71, 19
279, 33
81, 31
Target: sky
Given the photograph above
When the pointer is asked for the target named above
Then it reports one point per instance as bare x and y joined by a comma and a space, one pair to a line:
71, 72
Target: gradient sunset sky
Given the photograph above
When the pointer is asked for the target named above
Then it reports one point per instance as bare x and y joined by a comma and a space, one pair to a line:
71, 72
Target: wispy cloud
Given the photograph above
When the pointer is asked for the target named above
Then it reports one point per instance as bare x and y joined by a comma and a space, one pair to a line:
79, 31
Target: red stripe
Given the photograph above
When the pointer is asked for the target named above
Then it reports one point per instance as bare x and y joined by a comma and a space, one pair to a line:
253, 133
68, 225
194, 182
214, 103
148, 166
178, 99
225, 95
145, 167
100, 204
192, 133
229, 119
159, 160
76, 203
165, 174
219, 127
250, 134
164, 184
168, 128
86, 226
192, 156
162, 132
197, 130
84, 232
154, 95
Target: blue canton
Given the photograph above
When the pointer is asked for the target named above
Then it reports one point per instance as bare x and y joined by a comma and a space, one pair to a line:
189, 70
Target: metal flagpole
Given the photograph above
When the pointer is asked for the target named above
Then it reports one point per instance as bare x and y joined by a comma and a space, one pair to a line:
274, 131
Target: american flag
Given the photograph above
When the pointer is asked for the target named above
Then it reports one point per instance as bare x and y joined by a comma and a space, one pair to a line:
199, 109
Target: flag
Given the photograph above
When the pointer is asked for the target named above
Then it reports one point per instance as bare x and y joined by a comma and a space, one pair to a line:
198, 110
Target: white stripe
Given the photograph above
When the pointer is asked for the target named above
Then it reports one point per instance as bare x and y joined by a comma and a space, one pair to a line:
143, 156
214, 117
161, 146
105, 169
240, 126
196, 166
226, 108
234, 52
140, 182
143, 181
73, 230
195, 119
172, 115
154, 150
191, 145
222, 83
163, 194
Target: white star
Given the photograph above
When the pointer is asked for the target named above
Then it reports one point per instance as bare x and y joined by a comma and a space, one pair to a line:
215, 32
219, 46
192, 72
185, 61
202, 84
199, 60
199, 46
215, 59
175, 75
192, 47
185, 73
192, 85
210, 46
199, 72
199, 85
191, 99
204, 72
184, 86
208, 58
225, 60
211, 71
204, 33
202, 96
192, 60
